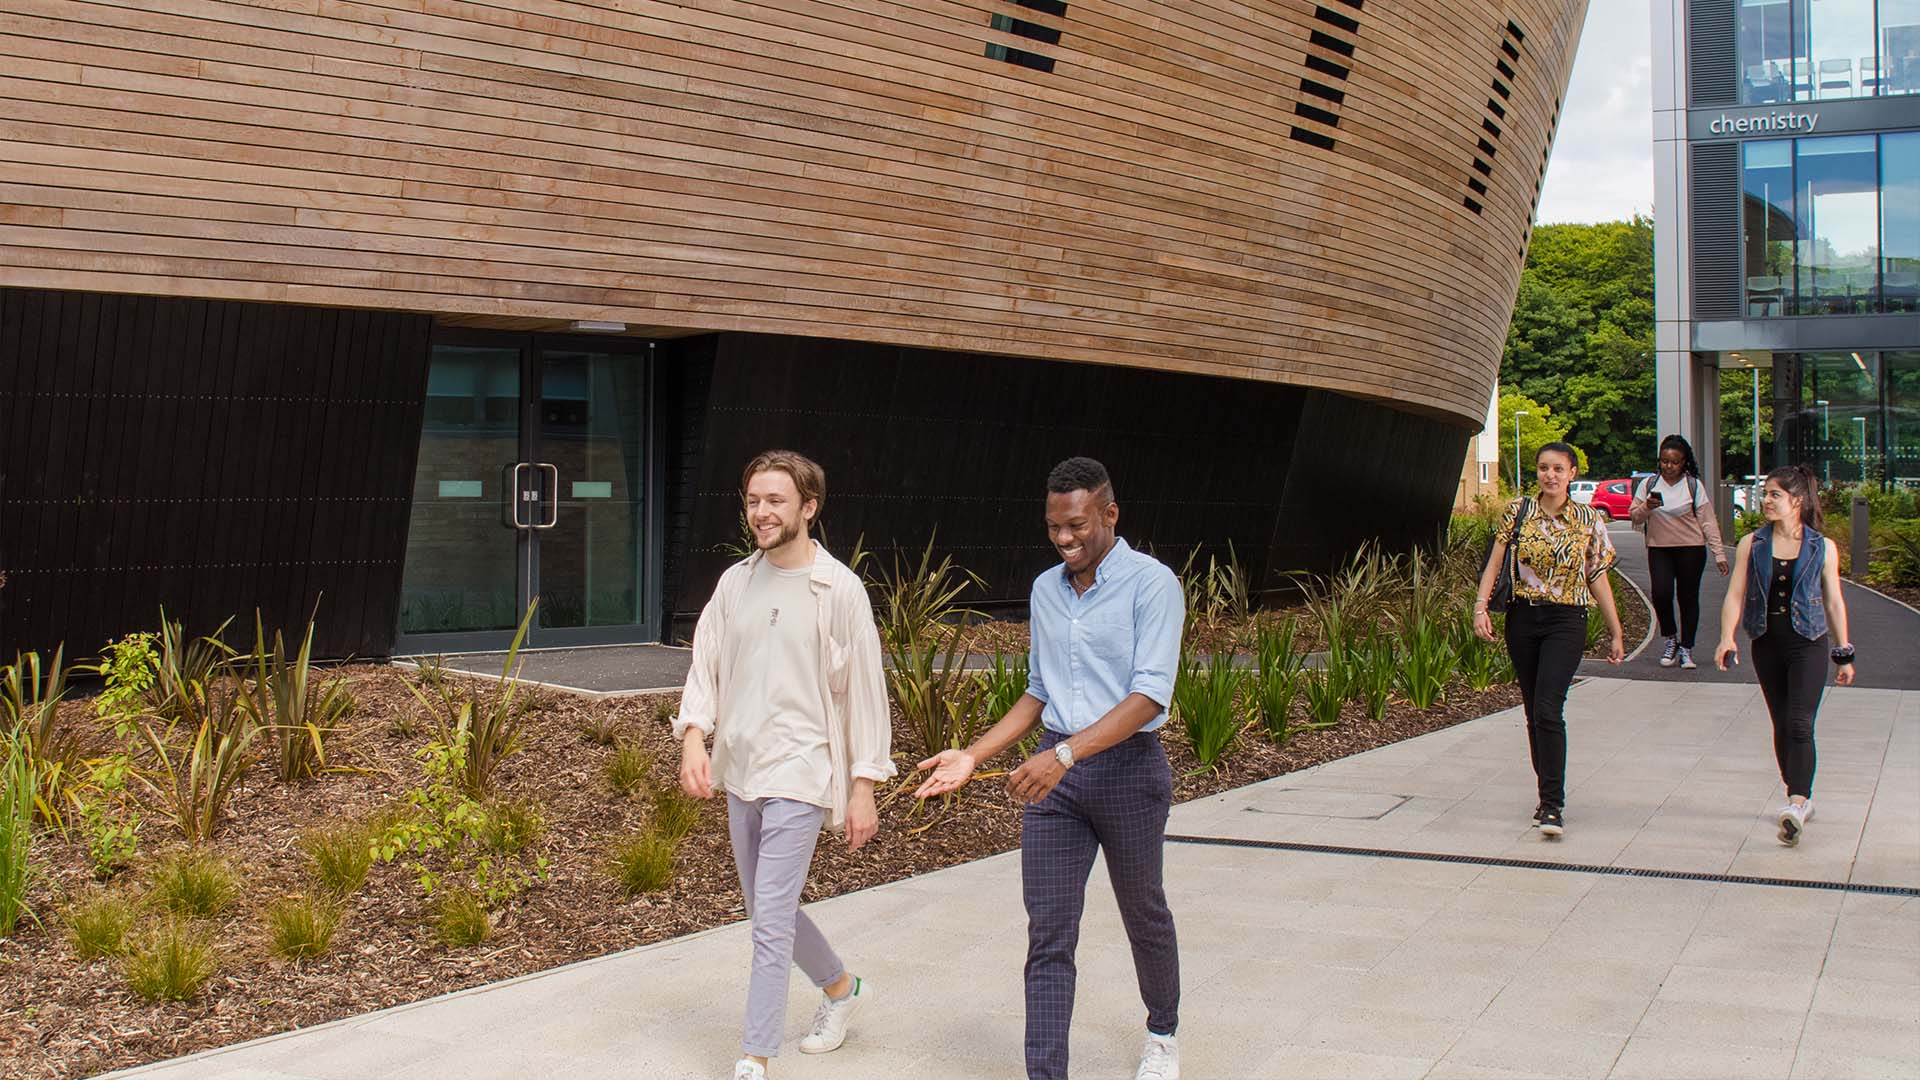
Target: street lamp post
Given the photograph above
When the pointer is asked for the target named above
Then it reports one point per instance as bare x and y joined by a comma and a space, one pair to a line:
1756, 425
1862, 421
1826, 449
1517, 414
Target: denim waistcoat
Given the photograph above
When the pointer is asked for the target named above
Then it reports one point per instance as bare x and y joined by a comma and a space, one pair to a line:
1808, 607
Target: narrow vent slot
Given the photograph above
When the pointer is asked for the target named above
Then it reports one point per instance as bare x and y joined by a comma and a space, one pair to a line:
1512, 53
1482, 167
1020, 57
1328, 41
1518, 34
1327, 67
1051, 7
1501, 89
1471, 205
1502, 68
1312, 138
1334, 18
1487, 148
1023, 28
1496, 108
1322, 90
1490, 128
1478, 187
1301, 108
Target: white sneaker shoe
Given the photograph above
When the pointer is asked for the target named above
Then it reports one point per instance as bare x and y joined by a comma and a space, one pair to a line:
830, 1020
1160, 1060
745, 1069
1686, 659
1672, 650
1793, 821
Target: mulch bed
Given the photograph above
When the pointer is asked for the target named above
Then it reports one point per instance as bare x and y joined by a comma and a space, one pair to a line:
62, 1017
1906, 594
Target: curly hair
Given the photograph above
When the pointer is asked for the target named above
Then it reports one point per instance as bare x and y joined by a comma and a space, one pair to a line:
1080, 474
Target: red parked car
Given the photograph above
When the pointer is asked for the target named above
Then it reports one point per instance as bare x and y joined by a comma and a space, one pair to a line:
1613, 498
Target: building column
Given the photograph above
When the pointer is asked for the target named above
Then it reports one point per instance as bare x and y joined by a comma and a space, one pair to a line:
1687, 392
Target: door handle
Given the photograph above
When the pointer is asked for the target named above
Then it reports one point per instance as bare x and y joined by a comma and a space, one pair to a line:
520, 495
554, 493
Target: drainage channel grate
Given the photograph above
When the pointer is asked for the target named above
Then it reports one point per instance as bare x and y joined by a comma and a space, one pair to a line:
1541, 864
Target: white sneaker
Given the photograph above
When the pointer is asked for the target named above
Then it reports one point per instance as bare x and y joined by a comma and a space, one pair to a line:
1160, 1060
1672, 649
1686, 659
1793, 821
746, 1069
830, 1020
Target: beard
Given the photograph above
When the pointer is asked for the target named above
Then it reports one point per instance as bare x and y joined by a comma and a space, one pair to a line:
789, 532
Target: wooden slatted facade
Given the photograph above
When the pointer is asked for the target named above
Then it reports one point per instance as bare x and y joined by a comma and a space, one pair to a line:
857, 170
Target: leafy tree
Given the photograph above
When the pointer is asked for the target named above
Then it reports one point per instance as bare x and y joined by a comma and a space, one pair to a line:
1581, 339
1736, 421
1538, 428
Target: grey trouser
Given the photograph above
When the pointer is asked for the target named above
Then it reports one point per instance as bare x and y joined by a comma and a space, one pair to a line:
772, 848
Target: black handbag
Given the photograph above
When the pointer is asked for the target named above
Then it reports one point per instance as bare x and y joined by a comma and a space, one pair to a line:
1502, 594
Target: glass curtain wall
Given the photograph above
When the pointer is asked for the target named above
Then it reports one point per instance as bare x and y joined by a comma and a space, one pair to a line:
1831, 225
1858, 417
1822, 50
1903, 417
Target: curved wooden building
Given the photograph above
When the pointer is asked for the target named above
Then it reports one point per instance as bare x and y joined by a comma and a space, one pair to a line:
1258, 256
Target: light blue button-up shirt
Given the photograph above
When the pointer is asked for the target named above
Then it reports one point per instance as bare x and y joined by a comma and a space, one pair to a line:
1122, 637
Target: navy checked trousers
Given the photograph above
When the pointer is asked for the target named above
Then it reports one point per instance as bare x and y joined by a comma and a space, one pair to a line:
1115, 802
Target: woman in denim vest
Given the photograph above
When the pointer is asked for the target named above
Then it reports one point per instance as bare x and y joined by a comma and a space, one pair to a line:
1785, 591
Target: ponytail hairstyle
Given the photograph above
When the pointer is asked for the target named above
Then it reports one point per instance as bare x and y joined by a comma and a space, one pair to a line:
1679, 442
1562, 448
1800, 482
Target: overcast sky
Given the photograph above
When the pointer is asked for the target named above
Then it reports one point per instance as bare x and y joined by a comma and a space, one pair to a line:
1602, 164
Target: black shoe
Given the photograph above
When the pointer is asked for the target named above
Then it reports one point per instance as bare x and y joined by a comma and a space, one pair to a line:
1537, 811
1551, 822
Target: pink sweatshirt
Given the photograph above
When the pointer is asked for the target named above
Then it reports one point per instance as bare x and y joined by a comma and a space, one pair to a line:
1675, 524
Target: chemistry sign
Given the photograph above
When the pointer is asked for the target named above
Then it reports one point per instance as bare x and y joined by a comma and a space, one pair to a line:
1770, 123
1796, 120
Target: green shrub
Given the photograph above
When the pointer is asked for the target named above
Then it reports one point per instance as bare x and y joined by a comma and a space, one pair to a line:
191, 786
192, 884
922, 626
1376, 670
98, 925
1276, 676
184, 673
1896, 554
461, 920
30, 696
296, 713
339, 856
483, 729
1203, 700
1006, 684
629, 767
171, 962
643, 862
17, 788
127, 669
1479, 659
675, 813
1323, 697
1427, 661
509, 827
301, 927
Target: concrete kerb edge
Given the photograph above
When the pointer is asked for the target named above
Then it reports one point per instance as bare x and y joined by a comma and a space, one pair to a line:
1881, 595
597, 695
1652, 622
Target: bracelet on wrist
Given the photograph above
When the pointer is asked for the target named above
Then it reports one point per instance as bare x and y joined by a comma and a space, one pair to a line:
1843, 655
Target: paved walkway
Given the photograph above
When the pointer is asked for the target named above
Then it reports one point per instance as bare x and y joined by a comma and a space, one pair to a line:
1308, 963
1886, 631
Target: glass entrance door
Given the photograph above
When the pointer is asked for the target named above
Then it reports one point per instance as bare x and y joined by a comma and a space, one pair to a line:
531, 482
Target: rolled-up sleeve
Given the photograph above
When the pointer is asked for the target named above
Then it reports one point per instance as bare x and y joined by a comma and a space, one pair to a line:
1159, 616
1601, 554
869, 718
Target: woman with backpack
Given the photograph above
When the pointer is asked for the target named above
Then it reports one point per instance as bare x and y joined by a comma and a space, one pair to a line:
1785, 593
1560, 555
1682, 529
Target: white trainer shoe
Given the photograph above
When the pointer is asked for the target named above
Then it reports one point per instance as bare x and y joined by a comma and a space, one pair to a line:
746, 1069
1672, 650
830, 1020
1793, 821
1686, 659
1160, 1060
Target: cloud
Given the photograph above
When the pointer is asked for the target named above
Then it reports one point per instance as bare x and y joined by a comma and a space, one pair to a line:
1602, 163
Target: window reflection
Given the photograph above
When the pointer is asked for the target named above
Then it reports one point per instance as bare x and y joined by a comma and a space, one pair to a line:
1769, 226
1836, 215
1822, 50
1900, 221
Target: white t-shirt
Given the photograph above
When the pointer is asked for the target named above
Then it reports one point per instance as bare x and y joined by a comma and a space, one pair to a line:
1678, 499
771, 739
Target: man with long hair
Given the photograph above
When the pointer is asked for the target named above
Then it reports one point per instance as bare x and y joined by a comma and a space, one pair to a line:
1105, 647
787, 679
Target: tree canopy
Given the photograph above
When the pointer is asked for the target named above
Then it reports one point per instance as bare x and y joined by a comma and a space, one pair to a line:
1581, 342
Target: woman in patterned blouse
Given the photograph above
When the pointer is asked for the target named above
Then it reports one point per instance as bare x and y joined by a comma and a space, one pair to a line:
1563, 556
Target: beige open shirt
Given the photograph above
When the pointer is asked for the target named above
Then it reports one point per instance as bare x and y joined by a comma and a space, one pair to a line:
859, 721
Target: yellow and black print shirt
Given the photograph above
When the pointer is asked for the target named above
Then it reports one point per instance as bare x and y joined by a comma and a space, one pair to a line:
1560, 555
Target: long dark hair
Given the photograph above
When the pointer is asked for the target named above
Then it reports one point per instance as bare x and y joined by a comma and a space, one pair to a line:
1800, 482
1679, 442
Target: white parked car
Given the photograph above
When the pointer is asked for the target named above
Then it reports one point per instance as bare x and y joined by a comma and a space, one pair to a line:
1581, 491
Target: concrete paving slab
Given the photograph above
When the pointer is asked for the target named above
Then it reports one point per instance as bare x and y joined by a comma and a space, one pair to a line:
1425, 957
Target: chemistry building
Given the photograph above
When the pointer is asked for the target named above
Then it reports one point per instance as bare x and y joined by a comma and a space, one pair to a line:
413, 312
1787, 138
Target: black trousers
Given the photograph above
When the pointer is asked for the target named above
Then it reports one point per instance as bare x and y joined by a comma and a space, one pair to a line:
1676, 571
1546, 643
1793, 673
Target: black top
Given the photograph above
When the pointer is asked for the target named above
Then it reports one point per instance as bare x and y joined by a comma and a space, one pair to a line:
1780, 589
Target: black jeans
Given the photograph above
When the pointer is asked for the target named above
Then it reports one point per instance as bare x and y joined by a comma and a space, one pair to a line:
1792, 673
1546, 643
1677, 570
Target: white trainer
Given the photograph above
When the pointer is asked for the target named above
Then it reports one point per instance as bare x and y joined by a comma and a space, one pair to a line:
1160, 1060
747, 1069
1793, 821
830, 1020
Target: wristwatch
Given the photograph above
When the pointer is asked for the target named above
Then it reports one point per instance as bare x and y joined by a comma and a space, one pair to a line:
1064, 754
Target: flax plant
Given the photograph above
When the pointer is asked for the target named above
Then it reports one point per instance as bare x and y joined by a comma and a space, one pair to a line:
184, 670
1203, 699
925, 640
17, 792
296, 714
1376, 672
482, 731
191, 786
1323, 698
30, 697
1276, 677
1427, 661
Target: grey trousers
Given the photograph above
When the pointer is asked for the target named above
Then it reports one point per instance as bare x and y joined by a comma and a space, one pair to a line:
772, 848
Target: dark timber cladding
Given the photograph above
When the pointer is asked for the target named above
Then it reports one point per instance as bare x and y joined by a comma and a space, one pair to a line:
205, 456
919, 443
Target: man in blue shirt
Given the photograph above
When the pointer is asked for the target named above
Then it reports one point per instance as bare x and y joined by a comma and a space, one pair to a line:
1105, 647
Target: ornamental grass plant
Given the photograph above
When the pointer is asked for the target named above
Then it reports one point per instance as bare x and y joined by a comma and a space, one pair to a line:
171, 962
